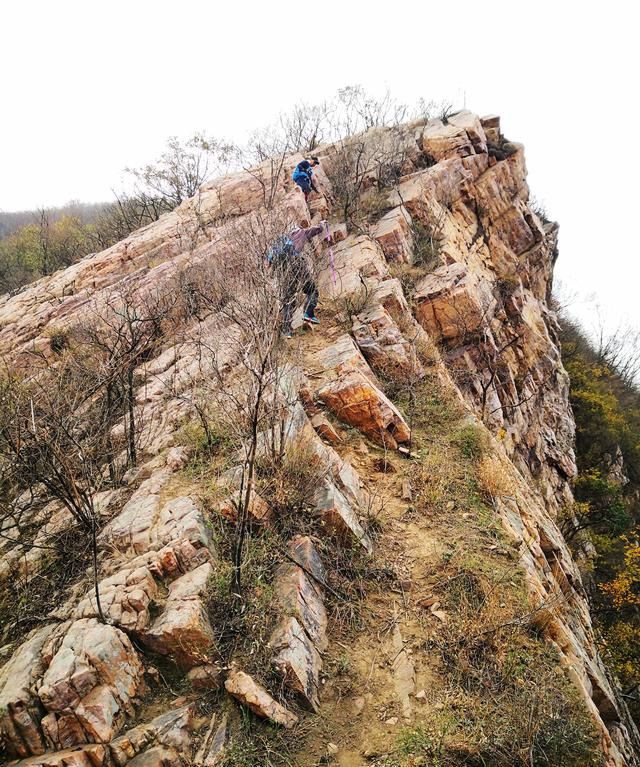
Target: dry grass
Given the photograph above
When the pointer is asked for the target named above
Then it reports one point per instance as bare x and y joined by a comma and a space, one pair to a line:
495, 480
408, 275
345, 308
503, 699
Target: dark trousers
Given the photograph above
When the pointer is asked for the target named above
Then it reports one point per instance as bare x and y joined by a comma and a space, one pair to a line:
304, 182
296, 277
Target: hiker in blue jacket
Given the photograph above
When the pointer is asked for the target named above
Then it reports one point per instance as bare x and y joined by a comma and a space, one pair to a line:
303, 176
292, 270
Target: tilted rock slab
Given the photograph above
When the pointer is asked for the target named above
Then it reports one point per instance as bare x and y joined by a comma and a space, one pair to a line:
255, 697
339, 497
297, 660
394, 234
353, 396
183, 630
300, 597
92, 755
359, 403
170, 732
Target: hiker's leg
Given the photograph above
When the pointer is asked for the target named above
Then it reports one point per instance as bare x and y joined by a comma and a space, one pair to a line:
288, 290
311, 291
289, 306
305, 185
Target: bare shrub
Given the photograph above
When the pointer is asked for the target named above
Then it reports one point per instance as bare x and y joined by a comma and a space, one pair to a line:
180, 170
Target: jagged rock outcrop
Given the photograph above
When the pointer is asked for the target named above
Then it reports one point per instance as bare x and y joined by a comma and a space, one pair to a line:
69, 690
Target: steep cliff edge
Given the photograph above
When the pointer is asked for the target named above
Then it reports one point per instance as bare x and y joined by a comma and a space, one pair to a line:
433, 407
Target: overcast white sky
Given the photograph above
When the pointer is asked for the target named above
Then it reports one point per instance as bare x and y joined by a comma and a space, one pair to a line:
89, 88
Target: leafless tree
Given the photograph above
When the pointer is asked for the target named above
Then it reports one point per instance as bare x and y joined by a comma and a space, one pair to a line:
306, 126
264, 158
180, 170
365, 164
620, 350
124, 331
53, 438
242, 353
357, 111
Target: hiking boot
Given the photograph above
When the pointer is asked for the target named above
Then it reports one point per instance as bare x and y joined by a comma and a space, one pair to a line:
313, 320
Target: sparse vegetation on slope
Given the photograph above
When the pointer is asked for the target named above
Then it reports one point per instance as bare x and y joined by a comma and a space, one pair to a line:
323, 530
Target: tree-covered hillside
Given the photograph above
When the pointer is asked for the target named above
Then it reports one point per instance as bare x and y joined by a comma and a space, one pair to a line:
605, 398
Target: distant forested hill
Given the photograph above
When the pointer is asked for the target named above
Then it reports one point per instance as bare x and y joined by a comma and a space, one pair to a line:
86, 212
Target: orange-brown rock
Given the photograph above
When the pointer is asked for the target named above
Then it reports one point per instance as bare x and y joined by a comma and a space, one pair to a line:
259, 510
394, 234
452, 305
359, 403
182, 630
325, 428
461, 135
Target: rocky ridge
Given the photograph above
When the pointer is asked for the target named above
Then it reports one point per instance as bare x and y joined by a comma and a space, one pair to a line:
71, 692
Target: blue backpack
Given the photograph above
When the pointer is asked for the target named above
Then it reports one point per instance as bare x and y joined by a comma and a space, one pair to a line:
281, 249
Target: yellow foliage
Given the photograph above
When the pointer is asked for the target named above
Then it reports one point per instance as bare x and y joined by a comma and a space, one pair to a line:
624, 589
623, 645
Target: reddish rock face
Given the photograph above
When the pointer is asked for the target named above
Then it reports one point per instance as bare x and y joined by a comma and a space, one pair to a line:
393, 233
356, 401
300, 596
20, 711
259, 510
182, 631
452, 306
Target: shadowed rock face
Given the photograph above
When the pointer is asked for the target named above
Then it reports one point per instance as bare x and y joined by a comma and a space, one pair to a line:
69, 692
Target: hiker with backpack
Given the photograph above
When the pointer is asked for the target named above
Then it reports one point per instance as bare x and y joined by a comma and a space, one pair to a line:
286, 258
303, 176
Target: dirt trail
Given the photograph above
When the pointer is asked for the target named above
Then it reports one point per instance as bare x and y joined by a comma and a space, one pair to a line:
375, 669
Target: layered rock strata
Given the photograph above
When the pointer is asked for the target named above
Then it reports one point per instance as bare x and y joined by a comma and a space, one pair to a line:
70, 690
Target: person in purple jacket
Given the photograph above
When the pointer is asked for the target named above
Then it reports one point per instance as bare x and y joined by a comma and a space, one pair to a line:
286, 257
